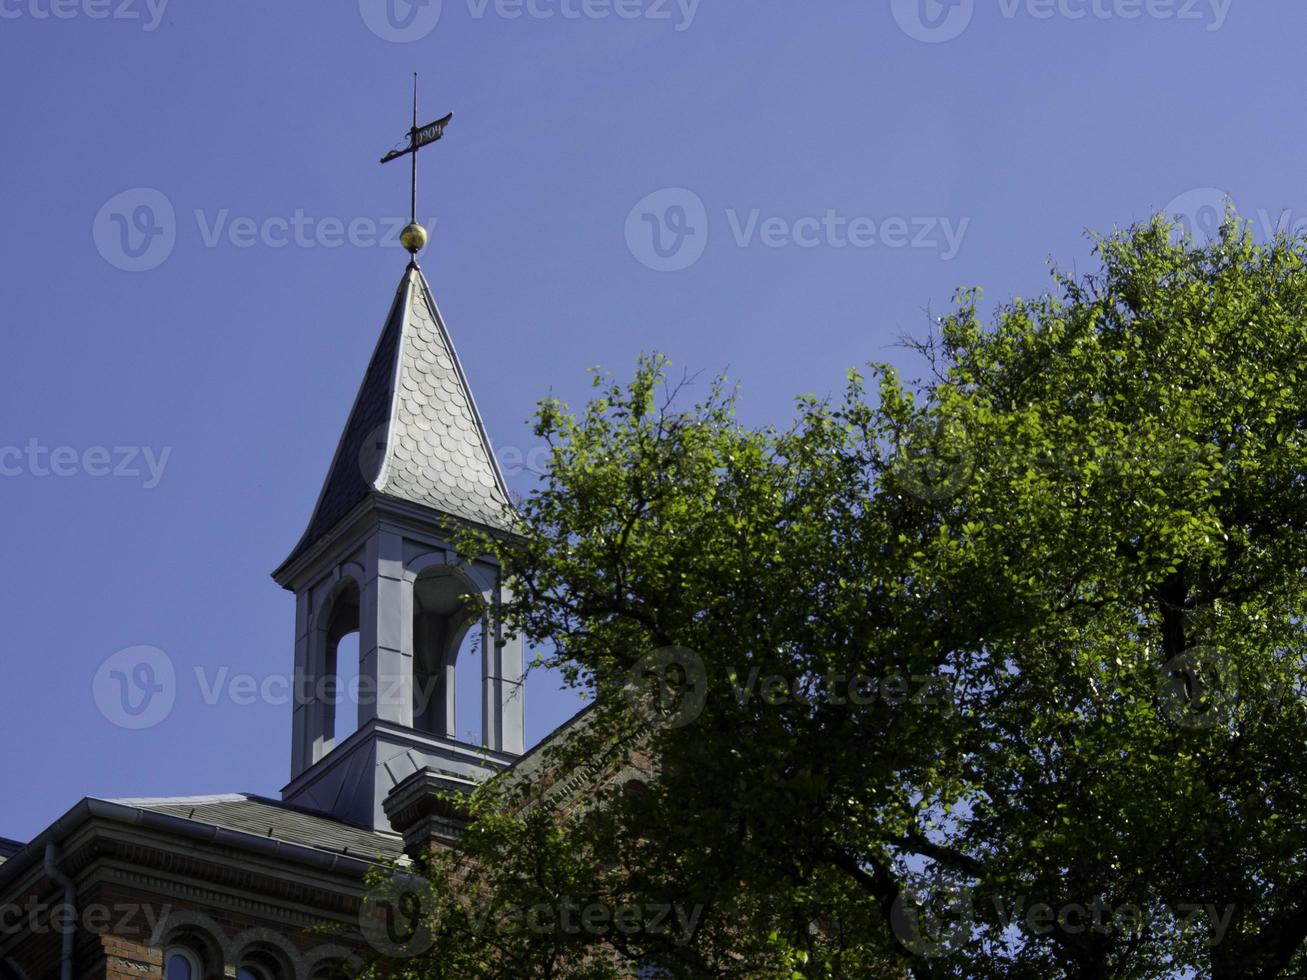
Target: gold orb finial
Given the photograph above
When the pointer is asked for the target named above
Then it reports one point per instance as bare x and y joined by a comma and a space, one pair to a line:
413, 238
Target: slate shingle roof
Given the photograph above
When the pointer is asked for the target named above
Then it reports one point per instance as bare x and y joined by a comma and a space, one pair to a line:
438, 453
267, 818
414, 432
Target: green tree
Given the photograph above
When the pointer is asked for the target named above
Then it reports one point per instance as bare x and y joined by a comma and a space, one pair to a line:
998, 674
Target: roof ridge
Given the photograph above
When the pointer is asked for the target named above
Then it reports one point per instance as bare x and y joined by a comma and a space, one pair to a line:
158, 800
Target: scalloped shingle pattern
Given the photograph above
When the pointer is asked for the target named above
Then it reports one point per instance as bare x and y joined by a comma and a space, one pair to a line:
437, 454
414, 432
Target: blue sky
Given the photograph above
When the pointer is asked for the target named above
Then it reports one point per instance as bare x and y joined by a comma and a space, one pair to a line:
198, 251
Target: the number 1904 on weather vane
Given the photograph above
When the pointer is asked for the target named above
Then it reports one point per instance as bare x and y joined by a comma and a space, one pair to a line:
414, 237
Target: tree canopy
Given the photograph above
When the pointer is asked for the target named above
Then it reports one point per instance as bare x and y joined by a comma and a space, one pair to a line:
993, 674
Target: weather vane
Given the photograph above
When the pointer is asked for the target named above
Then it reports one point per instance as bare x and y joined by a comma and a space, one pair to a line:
414, 237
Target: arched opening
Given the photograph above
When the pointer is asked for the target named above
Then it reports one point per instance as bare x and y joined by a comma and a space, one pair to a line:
346, 713
332, 970
190, 954
446, 699
340, 670
262, 964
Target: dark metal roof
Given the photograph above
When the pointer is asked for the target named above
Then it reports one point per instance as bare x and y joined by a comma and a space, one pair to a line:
414, 433
276, 821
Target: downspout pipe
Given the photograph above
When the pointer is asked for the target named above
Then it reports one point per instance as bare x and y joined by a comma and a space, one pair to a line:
70, 900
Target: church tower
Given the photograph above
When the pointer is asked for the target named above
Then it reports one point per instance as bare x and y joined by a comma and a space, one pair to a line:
240, 885
413, 465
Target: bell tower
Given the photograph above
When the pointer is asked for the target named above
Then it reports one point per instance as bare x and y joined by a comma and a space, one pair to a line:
412, 466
